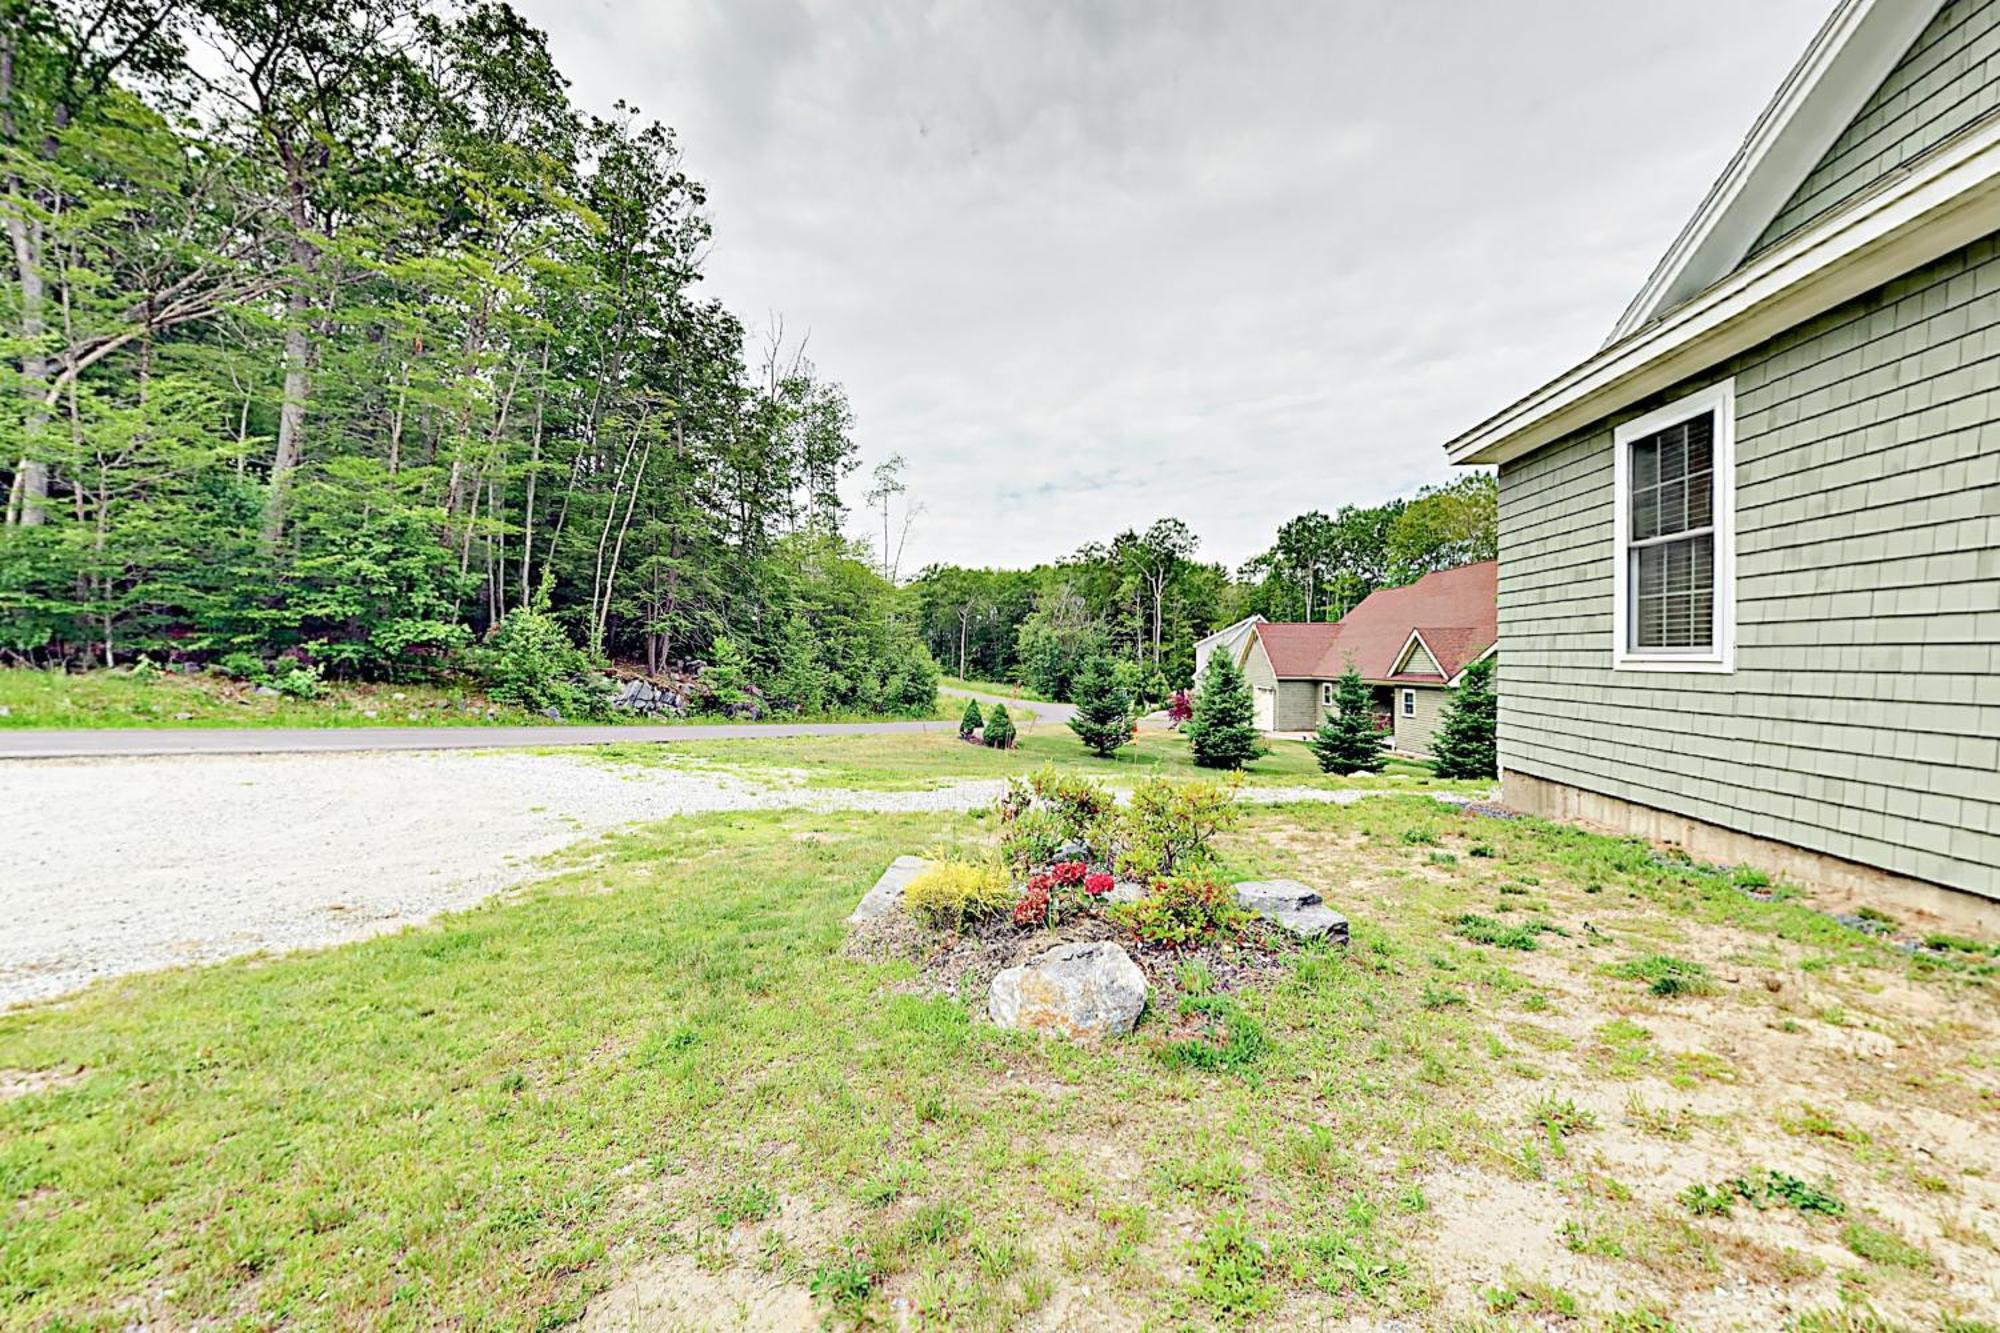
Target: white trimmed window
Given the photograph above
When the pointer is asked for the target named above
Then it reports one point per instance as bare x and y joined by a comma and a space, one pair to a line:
1409, 703
1674, 599
1326, 694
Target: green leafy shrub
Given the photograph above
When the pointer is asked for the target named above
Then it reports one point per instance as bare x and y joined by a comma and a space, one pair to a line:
1223, 732
1707, 1201
999, 732
1181, 911
1050, 811
529, 661
1170, 827
953, 895
969, 722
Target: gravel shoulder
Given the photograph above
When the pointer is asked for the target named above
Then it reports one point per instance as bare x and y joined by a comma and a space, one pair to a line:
130, 864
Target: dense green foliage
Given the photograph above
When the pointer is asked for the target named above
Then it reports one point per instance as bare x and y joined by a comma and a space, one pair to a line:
1103, 720
1223, 731
1467, 745
336, 333
969, 722
1347, 740
1143, 599
999, 733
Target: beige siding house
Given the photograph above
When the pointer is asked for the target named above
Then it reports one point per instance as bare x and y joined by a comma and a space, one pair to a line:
1749, 594
1410, 645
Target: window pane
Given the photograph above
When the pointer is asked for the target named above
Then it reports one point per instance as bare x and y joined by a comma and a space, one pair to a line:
1673, 594
1646, 462
1700, 499
1645, 513
1673, 453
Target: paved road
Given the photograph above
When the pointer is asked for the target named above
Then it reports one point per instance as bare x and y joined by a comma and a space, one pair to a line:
119, 742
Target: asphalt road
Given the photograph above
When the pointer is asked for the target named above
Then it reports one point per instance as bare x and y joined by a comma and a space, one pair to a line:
121, 742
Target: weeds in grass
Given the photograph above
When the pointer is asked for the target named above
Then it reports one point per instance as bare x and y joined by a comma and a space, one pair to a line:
1674, 1123
1887, 1248
1813, 1123
1442, 997
1522, 1296
1485, 930
1226, 1038
1708, 1201
1229, 1266
1666, 975
744, 1203
1483, 851
1562, 1117
1762, 1189
933, 1224
1420, 837
845, 1282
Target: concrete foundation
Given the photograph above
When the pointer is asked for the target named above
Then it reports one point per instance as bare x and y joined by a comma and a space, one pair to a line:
1834, 883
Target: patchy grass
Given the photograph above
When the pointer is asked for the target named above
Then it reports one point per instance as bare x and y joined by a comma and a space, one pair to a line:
663, 1052
999, 689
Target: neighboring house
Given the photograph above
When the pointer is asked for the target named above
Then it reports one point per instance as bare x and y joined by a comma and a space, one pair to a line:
1410, 644
1750, 550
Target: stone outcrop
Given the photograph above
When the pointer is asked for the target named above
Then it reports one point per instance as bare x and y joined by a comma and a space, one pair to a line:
887, 895
1293, 907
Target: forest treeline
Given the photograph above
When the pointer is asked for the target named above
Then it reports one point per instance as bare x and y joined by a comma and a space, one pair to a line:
336, 332
1145, 597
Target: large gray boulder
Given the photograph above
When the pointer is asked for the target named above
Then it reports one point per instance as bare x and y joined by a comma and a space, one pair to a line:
1084, 991
887, 895
1294, 907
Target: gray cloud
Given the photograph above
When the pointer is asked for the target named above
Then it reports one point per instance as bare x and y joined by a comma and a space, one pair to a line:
1107, 261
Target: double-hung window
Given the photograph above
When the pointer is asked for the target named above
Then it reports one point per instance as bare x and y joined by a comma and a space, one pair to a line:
1674, 563
1409, 703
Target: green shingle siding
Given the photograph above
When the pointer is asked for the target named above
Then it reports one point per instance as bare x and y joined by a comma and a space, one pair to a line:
1863, 718
1949, 78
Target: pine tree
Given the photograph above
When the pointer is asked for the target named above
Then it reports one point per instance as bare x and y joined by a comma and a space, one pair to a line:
999, 728
1223, 730
1103, 719
1347, 740
970, 721
1465, 745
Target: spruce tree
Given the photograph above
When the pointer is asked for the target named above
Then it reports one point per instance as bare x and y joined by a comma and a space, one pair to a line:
999, 728
1223, 730
1103, 719
970, 721
1466, 746
1347, 740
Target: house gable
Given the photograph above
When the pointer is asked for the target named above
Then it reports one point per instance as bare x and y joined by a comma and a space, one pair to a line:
1947, 79
1416, 659
1850, 56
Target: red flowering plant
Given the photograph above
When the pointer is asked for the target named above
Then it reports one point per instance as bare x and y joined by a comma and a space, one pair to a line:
1180, 708
1097, 884
1068, 874
1037, 905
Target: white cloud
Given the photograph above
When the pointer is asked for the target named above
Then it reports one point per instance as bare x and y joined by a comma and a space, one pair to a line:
1088, 264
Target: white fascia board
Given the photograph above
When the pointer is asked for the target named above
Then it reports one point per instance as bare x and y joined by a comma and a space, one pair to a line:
1854, 50
1951, 200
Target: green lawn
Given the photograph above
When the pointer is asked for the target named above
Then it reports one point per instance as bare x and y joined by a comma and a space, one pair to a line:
1003, 689
662, 1058
916, 761
55, 699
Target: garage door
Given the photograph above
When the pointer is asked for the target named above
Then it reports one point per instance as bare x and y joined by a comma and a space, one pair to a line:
1267, 709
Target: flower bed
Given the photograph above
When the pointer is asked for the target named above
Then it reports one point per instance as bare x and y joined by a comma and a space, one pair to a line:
1074, 866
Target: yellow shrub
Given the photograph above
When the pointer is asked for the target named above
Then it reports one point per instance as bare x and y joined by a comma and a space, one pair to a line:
956, 894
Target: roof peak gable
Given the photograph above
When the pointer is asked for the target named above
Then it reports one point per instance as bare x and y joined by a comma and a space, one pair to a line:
1850, 56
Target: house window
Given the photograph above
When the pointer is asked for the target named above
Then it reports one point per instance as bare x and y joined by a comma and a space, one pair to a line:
1326, 693
1409, 703
1674, 562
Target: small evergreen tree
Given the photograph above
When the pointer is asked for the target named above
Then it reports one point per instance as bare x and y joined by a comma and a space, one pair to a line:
1103, 719
999, 728
1223, 730
969, 721
1347, 740
1466, 745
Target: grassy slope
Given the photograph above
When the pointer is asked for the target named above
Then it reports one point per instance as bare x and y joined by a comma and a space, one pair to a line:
121, 699
465, 1123
1000, 688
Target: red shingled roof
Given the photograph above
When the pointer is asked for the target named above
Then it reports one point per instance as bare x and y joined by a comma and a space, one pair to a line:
1455, 611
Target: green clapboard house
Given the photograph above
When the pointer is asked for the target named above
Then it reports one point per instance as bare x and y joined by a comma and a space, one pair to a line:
1749, 591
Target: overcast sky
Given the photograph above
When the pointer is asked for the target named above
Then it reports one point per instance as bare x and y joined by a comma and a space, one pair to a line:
1086, 264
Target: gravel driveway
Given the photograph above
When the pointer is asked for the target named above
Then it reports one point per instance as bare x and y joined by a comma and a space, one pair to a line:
110, 866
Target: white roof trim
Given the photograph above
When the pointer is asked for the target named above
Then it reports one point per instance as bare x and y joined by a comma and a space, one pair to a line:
1403, 654
1246, 622
1854, 50
1950, 199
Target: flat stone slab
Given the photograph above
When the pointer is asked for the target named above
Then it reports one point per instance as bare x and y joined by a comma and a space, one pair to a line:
1294, 907
1083, 991
887, 895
